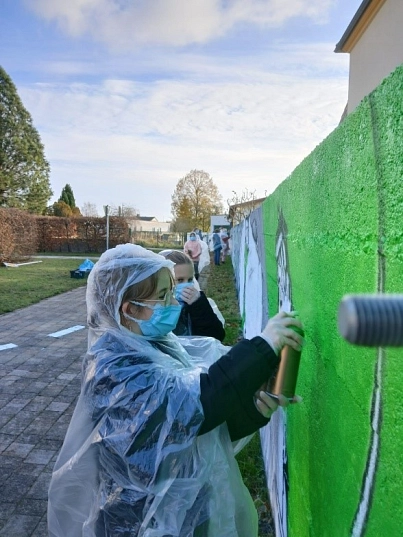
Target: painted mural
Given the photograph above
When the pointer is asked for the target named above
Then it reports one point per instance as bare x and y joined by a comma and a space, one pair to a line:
334, 227
248, 244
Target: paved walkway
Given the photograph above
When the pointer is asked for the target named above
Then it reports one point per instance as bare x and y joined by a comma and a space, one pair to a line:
41, 349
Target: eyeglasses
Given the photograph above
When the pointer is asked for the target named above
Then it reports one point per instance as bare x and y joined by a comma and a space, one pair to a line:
165, 301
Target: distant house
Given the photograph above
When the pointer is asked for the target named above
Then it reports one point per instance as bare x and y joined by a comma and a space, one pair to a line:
219, 220
374, 40
139, 224
239, 211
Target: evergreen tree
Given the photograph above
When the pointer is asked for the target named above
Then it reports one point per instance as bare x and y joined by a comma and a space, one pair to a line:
24, 171
68, 197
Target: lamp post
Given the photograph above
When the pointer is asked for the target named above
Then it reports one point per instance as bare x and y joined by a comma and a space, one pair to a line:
106, 209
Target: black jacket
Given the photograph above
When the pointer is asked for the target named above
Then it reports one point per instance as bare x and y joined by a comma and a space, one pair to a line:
199, 319
227, 390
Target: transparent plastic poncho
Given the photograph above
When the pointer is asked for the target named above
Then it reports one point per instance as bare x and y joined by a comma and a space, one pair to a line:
204, 260
132, 463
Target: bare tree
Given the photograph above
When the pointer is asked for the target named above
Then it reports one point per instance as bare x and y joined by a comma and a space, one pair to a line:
89, 209
125, 211
241, 205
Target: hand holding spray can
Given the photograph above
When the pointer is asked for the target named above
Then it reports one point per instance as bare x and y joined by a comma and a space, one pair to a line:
285, 380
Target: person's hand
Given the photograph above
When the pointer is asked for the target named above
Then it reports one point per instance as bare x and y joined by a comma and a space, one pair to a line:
267, 404
278, 332
189, 294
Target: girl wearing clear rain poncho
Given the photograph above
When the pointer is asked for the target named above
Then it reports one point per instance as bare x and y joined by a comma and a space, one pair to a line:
150, 448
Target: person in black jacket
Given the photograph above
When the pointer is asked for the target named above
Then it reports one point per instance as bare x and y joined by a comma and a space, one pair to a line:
197, 317
151, 446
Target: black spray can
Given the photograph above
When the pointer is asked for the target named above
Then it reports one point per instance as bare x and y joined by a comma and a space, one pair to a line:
285, 380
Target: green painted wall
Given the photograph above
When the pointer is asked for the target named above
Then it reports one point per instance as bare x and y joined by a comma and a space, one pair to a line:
343, 206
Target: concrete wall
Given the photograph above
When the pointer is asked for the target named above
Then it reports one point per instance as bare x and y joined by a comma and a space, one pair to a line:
378, 52
334, 227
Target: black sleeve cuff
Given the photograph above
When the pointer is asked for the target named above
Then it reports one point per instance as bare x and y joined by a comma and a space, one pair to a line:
228, 388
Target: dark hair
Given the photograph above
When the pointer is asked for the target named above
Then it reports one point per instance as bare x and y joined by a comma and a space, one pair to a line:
178, 257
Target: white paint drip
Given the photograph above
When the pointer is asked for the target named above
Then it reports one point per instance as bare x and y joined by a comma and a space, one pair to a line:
7, 346
361, 516
67, 331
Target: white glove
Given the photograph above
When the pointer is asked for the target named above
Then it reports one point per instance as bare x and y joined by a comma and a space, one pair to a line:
190, 294
278, 332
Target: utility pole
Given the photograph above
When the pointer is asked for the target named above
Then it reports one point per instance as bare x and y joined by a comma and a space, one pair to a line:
106, 209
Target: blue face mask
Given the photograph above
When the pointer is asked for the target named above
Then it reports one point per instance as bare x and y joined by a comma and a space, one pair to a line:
163, 320
178, 290
192, 238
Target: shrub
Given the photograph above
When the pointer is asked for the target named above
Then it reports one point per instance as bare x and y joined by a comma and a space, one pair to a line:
79, 234
18, 235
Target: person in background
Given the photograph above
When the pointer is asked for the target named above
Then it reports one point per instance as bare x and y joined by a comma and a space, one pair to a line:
224, 244
198, 233
151, 446
197, 317
217, 246
193, 249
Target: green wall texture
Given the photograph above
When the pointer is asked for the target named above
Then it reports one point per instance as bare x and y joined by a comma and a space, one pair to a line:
343, 208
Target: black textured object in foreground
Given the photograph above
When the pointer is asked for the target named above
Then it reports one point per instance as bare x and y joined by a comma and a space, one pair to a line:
372, 320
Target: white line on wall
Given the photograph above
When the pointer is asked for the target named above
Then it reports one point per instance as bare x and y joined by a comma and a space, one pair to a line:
7, 346
369, 478
67, 331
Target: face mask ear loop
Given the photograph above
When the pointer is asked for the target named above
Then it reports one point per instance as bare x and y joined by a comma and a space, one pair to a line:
152, 307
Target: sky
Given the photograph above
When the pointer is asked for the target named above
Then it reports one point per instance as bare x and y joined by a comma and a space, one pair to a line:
129, 96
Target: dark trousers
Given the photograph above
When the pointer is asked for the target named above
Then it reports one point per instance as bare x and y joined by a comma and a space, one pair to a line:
217, 253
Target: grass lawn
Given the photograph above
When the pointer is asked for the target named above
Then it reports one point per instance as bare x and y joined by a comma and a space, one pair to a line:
28, 284
221, 288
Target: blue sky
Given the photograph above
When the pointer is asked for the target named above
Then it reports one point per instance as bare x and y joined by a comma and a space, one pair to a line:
130, 95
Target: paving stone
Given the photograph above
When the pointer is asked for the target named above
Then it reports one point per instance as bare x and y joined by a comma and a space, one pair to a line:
37, 404
48, 443
67, 376
6, 509
31, 506
16, 487
9, 464
20, 525
18, 450
39, 456
4, 419
16, 425
57, 406
41, 529
15, 405
26, 373
32, 469
39, 383
5, 441
39, 489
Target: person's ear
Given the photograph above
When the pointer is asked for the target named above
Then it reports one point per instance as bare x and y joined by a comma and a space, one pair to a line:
126, 307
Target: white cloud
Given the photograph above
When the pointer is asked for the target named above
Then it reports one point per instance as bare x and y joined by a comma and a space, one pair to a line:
130, 141
122, 23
